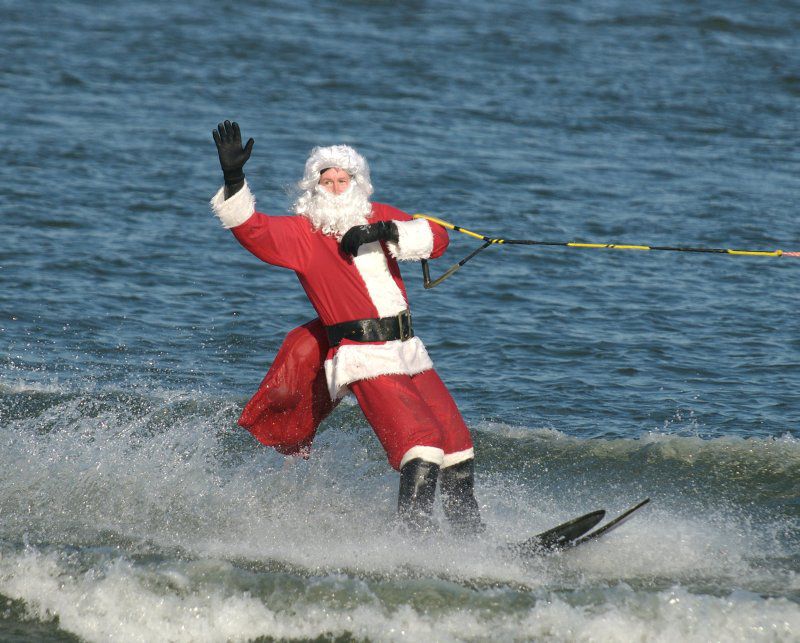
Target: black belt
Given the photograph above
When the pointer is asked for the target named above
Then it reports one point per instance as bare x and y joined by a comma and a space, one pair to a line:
385, 329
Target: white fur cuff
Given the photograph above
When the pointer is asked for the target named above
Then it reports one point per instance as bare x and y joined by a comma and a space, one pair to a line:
451, 459
415, 242
236, 210
428, 454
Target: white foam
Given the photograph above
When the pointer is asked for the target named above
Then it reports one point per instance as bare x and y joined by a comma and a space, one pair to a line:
122, 602
672, 443
86, 474
108, 475
25, 385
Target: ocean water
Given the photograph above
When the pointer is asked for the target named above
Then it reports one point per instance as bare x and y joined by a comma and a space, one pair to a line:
133, 328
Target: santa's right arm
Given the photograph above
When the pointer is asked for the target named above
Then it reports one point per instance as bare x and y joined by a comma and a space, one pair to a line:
280, 241
277, 240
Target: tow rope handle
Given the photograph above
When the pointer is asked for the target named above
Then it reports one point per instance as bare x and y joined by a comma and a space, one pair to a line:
426, 272
432, 283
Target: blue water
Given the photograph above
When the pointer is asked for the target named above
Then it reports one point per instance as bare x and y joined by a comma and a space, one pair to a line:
133, 328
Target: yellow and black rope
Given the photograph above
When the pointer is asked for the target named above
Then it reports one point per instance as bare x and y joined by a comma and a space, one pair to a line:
488, 241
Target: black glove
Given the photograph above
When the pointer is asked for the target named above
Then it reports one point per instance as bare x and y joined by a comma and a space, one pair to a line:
380, 231
232, 156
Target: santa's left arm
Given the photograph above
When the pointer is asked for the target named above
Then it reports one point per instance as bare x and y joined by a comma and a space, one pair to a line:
417, 238
407, 238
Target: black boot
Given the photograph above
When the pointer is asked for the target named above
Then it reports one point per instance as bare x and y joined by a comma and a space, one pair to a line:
417, 491
458, 498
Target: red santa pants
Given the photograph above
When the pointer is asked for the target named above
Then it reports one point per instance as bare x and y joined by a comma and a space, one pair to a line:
407, 412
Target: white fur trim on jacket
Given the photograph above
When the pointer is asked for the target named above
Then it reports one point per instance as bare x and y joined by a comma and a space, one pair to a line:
353, 362
235, 210
429, 454
415, 242
451, 459
381, 286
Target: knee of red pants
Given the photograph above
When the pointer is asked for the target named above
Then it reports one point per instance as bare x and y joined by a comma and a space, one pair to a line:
401, 418
456, 439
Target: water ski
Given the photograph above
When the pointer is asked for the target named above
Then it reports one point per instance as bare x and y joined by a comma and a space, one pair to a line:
572, 533
613, 524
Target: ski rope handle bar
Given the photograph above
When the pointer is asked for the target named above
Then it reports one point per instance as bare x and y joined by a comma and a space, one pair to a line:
490, 241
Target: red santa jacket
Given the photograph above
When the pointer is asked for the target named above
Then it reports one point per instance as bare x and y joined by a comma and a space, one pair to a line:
342, 288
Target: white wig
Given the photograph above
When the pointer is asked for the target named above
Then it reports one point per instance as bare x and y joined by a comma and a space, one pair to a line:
322, 158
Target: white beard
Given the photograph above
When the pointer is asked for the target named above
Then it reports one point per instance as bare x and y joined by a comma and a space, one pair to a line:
334, 214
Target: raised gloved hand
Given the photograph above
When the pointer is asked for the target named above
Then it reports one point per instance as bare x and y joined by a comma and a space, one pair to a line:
232, 156
360, 234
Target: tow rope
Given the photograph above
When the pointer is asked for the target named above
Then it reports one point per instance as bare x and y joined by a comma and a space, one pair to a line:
490, 241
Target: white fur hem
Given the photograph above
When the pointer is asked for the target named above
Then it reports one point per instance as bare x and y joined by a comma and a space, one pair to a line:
451, 459
354, 362
415, 242
236, 210
429, 454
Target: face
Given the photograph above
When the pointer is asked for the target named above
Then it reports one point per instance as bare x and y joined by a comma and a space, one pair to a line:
334, 180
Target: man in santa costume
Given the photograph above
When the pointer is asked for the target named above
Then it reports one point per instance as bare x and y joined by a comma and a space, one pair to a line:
344, 250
